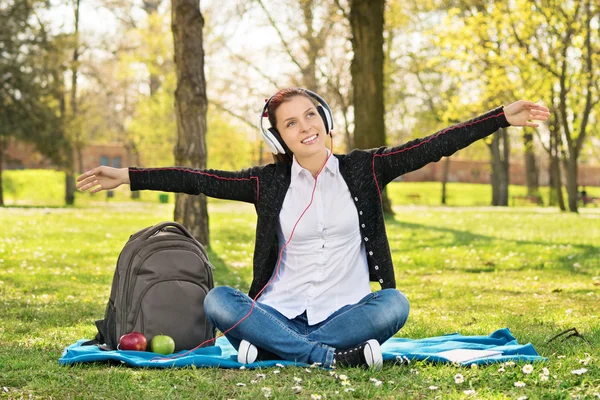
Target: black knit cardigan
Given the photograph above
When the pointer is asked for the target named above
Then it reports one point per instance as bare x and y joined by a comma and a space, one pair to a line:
366, 173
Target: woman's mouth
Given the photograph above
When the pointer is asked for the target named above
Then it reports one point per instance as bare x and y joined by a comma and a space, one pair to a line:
310, 139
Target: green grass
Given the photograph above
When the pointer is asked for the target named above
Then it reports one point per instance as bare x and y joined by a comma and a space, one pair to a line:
46, 188
465, 269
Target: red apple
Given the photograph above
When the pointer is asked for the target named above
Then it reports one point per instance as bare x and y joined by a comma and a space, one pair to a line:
133, 341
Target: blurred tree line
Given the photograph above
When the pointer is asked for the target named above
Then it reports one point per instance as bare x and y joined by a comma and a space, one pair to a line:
391, 70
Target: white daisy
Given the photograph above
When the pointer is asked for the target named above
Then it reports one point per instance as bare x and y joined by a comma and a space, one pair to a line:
527, 369
520, 384
458, 378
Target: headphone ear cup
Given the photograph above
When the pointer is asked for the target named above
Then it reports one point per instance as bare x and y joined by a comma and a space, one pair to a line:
278, 141
326, 118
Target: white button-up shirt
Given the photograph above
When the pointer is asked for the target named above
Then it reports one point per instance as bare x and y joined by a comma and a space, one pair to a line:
324, 267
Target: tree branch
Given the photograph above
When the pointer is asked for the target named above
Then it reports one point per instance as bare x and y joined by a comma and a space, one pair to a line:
283, 41
525, 47
251, 65
221, 107
589, 73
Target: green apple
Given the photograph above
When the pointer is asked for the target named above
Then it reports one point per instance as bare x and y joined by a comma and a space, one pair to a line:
162, 344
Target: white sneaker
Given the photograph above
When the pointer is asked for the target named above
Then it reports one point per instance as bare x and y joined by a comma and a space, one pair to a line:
367, 354
247, 352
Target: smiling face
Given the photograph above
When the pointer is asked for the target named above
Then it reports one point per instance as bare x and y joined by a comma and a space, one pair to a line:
301, 126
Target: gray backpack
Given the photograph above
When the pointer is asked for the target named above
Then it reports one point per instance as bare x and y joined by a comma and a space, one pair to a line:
159, 286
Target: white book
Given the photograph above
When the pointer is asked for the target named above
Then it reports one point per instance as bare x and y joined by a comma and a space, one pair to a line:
463, 355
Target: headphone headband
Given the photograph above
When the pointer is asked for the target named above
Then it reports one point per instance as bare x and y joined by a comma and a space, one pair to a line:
271, 138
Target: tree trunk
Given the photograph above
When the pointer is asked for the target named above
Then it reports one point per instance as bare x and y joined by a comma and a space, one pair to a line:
572, 193
500, 150
75, 137
190, 106
556, 195
134, 159
366, 22
2, 150
531, 168
445, 174
151, 8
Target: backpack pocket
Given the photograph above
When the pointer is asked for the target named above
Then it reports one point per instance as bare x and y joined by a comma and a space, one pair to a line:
174, 308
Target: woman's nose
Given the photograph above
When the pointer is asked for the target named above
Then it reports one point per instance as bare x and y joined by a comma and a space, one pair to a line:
304, 126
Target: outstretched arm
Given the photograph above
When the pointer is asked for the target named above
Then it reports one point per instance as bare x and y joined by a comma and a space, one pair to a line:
239, 185
391, 162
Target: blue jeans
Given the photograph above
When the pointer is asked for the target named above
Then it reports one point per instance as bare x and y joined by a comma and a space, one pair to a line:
379, 315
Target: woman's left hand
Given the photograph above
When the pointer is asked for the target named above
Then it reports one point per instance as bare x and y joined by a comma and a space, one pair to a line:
521, 112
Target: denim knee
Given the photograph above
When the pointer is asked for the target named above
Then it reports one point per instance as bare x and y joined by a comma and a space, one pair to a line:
398, 306
215, 301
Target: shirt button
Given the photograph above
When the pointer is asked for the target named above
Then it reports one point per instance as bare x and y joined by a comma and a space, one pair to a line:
366, 239
360, 212
370, 253
363, 225
381, 281
376, 267
355, 199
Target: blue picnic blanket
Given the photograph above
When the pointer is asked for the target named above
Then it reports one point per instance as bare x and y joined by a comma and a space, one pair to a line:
223, 355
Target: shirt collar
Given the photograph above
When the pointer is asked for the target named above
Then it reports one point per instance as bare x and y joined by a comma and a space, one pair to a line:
331, 165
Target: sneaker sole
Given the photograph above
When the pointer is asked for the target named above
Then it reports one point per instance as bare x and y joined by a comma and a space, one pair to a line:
247, 353
373, 355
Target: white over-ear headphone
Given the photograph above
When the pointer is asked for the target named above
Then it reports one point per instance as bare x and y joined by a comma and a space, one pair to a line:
272, 137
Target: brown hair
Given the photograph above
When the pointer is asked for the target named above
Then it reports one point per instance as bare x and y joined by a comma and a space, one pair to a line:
276, 100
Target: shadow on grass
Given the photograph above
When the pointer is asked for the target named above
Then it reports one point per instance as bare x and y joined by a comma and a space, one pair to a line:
465, 238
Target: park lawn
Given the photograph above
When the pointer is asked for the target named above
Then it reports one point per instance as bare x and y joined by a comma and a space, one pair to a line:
468, 270
46, 188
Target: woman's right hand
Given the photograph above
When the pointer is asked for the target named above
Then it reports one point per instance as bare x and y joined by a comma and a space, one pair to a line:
102, 178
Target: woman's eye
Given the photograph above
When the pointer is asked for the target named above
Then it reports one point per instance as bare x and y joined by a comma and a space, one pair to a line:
290, 124
311, 114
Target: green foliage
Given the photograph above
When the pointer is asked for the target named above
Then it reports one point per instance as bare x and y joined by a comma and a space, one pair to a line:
229, 145
28, 104
152, 127
469, 270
